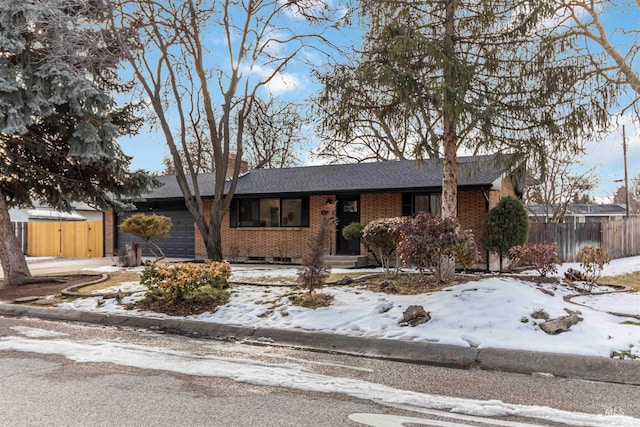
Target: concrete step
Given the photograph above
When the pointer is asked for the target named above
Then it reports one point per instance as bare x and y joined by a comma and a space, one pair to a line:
345, 261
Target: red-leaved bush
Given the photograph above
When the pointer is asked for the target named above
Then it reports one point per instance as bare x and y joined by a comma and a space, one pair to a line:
383, 236
542, 257
427, 240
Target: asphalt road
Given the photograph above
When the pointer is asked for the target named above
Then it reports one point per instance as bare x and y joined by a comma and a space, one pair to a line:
50, 389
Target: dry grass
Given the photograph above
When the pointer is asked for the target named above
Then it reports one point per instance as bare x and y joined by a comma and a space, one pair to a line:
314, 300
113, 279
293, 280
631, 280
409, 283
334, 277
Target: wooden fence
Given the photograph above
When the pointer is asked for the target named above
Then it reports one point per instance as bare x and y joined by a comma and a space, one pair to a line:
620, 237
69, 239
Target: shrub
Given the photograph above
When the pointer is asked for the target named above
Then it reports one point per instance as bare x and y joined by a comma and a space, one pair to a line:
383, 236
427, 240
542, 257
592, 260
148, 227
505, 226
175, 281
465, 252
353, 231
314, 271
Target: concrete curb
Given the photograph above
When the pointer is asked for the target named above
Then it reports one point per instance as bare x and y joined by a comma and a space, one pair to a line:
524, 362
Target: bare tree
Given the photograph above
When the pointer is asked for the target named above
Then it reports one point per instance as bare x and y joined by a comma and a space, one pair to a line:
582, 24
634, 195
274, 134
272, 138
205, 92
557, 186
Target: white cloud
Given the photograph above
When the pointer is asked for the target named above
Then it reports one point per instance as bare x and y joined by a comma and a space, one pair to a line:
284, 82
278, 84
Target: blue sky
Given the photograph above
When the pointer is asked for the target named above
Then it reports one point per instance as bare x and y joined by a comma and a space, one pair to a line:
605, 155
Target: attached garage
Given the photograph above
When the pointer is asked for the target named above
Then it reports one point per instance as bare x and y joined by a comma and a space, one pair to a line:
181, 240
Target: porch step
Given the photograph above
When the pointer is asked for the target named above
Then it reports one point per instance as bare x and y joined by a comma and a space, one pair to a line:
345, 261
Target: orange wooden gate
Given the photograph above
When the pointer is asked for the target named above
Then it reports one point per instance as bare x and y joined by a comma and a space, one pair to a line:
69, 239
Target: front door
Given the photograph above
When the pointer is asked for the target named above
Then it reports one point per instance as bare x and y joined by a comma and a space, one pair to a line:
347, 212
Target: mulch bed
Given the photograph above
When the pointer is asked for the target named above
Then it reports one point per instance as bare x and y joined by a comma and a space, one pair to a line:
190, 305
52, 287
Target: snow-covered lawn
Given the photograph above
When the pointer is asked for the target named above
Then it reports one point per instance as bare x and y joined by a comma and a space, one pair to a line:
491, 312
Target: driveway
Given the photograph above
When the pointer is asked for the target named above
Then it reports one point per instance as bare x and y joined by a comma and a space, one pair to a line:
43, 266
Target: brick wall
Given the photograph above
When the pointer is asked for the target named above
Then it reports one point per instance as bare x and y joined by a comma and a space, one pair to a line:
376, 206
472, 208
281, 242
270, 243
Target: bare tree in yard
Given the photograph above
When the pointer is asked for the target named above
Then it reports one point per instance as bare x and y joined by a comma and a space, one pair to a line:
486, 75
207, 92
634, 195
274, 132
598, 30
272, 138
58, 119
557, 185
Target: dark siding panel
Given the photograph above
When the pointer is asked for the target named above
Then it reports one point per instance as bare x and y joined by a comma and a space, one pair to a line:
181, 240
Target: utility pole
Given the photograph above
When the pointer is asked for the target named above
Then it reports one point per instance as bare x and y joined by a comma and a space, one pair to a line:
626, 175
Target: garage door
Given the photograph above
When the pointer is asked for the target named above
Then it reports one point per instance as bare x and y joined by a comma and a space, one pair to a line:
179, 244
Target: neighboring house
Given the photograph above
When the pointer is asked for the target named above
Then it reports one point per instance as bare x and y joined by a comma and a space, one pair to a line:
43, 231
578, 213
275, 211
80, 212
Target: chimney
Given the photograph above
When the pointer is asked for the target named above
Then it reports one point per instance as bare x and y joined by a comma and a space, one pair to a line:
244, 166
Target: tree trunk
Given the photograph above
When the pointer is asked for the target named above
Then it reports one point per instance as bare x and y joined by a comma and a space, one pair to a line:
450, 138
134, 254
213, 243
14, 264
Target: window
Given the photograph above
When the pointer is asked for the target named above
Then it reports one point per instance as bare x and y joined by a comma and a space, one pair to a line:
430, 203
292, 213
350, 206
269, 212
272, 212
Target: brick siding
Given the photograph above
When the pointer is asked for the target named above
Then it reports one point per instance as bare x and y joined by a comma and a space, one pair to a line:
284, 242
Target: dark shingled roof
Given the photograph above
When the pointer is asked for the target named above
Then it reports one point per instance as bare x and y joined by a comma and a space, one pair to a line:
401, 175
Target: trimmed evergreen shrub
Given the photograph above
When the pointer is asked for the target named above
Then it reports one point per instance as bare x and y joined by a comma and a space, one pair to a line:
353, 231
505, 226
148, 227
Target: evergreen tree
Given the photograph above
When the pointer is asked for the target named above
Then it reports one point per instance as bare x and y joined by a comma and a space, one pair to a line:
485, 75
505, 226
58, 119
